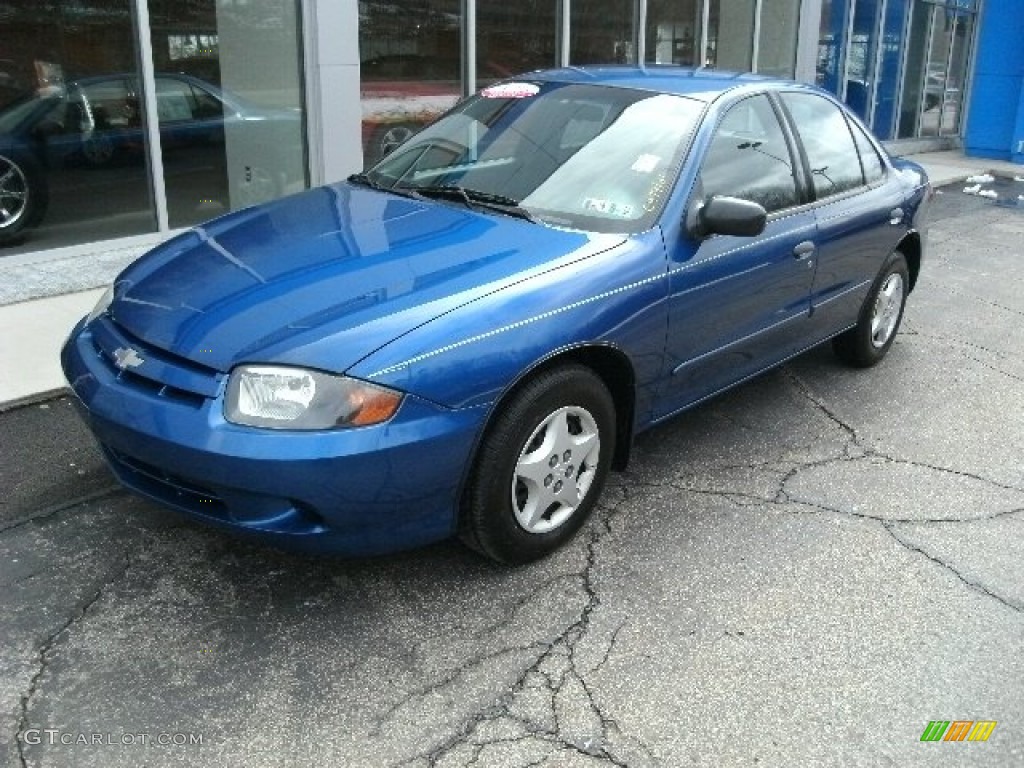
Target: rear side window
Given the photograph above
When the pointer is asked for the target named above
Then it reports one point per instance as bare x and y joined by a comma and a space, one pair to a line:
874, 168
749, 157
831, 151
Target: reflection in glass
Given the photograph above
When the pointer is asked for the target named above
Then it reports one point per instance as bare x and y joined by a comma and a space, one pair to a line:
73, 162
229, 104
674, 32
602, 32
731, 35
749, 157
860, 57
831, 39
410, 69
914, 73
514, 37
888, 74
832, 154
961, 28
570, 155
776, 47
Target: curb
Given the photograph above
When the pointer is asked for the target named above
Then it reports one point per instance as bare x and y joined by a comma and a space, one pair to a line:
34, 399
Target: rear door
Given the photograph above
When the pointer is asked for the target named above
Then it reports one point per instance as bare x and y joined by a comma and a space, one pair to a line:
858, 210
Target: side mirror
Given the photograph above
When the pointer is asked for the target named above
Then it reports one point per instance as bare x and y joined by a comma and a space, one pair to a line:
721, 215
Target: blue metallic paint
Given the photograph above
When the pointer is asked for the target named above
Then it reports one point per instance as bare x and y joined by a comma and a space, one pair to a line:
453, 307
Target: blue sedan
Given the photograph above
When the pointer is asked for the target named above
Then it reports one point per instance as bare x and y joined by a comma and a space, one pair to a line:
465, 338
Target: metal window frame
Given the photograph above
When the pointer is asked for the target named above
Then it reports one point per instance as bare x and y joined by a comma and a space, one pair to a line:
755, 47
147, 74
908, 20
918, 120
640, 31
876, 65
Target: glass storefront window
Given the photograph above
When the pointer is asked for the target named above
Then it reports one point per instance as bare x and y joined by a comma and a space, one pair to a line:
74, 128
831, 45
914, 87
514, 37
229, 104
860, 56
960, 27
73, 144
674, 32
776, 45
601, 32
888, 75
731, 35
410, 68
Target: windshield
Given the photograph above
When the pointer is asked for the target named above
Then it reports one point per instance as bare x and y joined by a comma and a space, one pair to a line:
584, 156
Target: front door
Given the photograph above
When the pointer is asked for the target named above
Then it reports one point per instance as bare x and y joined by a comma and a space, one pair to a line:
740, 304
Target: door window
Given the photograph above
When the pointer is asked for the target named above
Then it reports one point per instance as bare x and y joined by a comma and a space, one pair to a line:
831, 152
749, 157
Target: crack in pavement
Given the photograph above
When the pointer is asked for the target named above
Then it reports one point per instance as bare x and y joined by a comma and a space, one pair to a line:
44, 649
563, 645
980, 588
64, 506
980, 299
855, 439
457, 673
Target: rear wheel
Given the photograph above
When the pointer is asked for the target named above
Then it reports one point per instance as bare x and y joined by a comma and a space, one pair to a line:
868, 342
541, 467
23, 197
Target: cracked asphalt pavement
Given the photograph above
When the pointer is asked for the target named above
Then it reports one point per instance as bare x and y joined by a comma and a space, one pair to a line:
805, 571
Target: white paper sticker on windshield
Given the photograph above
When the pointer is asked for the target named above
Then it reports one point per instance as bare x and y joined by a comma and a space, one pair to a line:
510, 91
646, 163
608, 207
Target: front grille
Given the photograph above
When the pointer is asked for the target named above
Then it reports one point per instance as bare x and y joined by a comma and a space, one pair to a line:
151, 370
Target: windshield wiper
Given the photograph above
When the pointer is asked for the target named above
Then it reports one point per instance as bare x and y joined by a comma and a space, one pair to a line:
475, 198
364, 180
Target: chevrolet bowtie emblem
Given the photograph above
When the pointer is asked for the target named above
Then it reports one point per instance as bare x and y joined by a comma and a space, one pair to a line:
126, 357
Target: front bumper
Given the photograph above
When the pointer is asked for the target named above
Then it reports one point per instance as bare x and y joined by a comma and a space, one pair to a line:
355, 492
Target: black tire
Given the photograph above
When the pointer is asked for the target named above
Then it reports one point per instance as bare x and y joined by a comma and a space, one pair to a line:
24, 196
868, 342
570, 403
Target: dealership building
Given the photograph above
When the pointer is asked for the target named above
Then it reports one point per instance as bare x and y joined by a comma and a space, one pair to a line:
124, 121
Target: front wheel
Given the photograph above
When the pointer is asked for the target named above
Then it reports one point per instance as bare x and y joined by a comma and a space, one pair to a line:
541, 467
386, 139
867, 342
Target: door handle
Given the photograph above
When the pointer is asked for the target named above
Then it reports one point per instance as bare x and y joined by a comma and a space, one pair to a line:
803, 250
895, 216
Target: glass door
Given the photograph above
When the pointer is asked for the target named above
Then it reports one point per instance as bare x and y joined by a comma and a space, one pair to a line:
937, 88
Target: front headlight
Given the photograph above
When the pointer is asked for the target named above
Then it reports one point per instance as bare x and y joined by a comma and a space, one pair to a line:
277, 397
102, 305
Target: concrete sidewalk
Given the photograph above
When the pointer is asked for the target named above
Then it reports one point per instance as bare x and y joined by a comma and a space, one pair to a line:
34, 330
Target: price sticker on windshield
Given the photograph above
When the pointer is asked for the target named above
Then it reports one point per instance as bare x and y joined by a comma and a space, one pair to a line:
511, 91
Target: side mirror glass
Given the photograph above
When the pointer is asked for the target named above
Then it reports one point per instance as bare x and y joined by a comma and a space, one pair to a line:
720, 215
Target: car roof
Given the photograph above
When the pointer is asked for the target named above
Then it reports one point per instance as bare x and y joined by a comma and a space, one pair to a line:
702, 84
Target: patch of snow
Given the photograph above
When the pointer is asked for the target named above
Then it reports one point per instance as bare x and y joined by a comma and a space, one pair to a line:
981, 178
972, 190
991, 194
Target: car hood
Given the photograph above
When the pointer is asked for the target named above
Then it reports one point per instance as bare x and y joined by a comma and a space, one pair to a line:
324, 278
